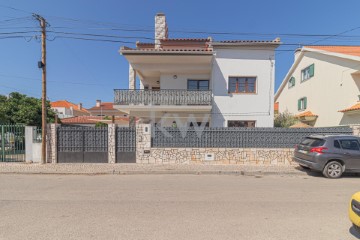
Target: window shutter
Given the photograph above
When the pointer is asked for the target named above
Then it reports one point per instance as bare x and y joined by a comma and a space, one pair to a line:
293, 81
299, 104
311, 70
305, 102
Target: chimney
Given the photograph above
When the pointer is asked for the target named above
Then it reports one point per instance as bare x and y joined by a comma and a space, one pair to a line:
161, 29
98, 103
80, 106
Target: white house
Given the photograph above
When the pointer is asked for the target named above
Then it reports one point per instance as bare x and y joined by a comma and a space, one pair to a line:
322, 86
66, 109
219, 83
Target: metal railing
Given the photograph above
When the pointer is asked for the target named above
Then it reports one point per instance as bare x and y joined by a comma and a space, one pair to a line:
37, 135
162, 97
12, 143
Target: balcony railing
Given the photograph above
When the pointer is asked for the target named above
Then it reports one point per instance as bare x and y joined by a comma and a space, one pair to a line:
162, 97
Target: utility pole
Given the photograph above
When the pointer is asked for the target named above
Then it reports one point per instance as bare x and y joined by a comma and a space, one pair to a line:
42, 65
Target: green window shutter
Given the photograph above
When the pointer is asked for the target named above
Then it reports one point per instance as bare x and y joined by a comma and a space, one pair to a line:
299, 104
305, 102
311, 70
293, 81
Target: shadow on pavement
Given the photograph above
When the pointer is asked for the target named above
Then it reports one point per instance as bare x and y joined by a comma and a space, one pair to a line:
355, 233
319, 174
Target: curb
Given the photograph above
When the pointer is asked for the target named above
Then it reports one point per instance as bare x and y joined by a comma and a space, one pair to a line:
162, 172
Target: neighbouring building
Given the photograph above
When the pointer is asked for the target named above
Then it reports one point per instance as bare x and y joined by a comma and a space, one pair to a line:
219, 83
66, 109
92, 120
322, 87
105, 109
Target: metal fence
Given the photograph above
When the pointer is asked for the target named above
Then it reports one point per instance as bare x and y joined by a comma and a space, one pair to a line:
12, 143
125, 145
37, 135
237, 137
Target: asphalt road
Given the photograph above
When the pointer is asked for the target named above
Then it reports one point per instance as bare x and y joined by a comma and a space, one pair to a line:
175, 207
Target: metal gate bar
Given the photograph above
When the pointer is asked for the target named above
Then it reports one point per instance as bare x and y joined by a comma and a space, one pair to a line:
125, 145
12, 138
82, 144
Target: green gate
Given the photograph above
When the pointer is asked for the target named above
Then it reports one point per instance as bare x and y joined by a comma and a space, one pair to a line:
12, 143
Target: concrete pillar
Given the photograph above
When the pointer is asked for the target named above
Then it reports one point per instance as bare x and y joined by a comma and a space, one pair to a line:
356, 130
29, 131
112, 143
51, 143
143, 143
132, 77
132, 85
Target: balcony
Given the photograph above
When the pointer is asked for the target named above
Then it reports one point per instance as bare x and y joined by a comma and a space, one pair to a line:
163, 97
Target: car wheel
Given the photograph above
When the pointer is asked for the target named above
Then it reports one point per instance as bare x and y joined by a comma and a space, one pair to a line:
357, 228
333, 170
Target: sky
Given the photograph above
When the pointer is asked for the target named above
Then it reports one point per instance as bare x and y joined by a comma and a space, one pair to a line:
81, 70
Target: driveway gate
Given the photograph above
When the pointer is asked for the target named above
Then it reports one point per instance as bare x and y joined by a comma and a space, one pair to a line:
82, 144
125, 145
12, 143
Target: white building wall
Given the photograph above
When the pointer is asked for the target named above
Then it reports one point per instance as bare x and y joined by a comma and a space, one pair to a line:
243, 63
332, 88
167, 81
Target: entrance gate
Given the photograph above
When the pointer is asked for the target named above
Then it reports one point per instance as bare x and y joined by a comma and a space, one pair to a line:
12, 143
125, 145
82, 144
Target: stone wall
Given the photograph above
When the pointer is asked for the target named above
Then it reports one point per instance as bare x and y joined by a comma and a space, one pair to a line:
252, 156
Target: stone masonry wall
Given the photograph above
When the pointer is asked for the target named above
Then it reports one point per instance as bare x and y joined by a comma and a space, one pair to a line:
254, 156
250, 156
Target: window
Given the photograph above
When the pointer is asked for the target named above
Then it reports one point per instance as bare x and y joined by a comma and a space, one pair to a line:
302, 104
313, 142
307, 72
198, 85
291, 82
350, 144
237, 123
336, 144
242, 85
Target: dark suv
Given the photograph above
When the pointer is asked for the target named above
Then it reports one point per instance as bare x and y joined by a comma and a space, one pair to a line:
330, 154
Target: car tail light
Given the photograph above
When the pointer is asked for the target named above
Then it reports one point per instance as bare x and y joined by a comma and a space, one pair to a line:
318, 149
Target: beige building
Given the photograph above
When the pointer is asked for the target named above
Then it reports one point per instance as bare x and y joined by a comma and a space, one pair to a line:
322, 87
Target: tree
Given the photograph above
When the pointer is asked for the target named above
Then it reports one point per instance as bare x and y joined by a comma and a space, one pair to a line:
285, 120
19, 108
100, 124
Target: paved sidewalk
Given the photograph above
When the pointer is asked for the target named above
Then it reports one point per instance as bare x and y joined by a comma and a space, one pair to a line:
100, 168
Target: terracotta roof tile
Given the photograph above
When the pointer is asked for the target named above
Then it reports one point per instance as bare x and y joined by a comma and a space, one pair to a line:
352, 108
306, 114
104, 106
169, 49
91, 120
348, 50
67, 104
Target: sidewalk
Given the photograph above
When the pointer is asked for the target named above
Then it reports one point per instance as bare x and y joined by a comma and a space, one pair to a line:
103, 168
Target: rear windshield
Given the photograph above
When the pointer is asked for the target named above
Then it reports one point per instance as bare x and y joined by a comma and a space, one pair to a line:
313, 142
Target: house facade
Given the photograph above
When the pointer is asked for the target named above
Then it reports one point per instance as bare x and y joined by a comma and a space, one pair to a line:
66, 109
199, 81
322, 88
